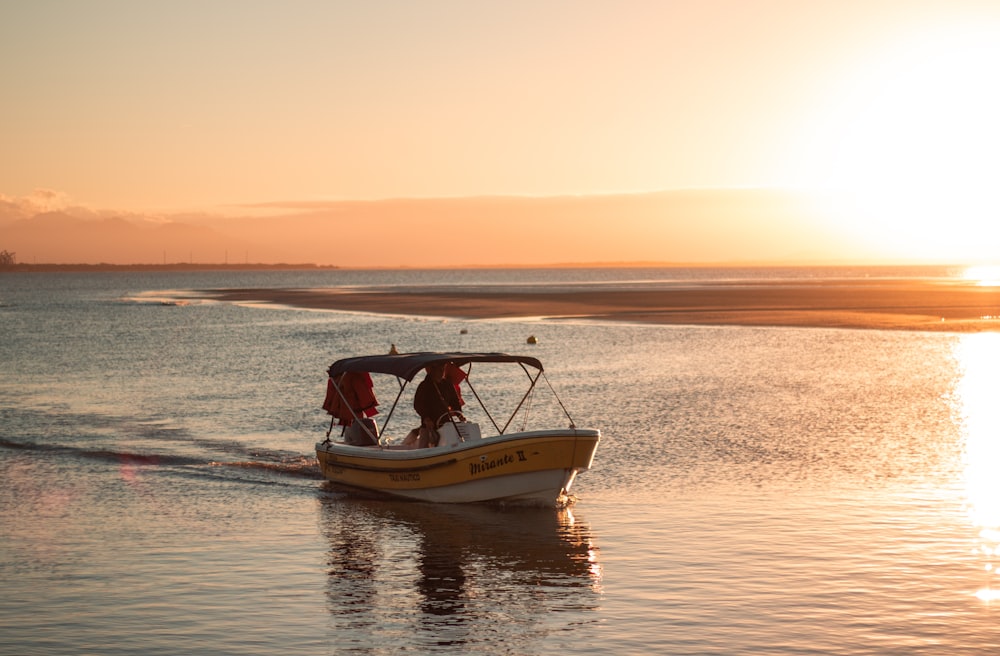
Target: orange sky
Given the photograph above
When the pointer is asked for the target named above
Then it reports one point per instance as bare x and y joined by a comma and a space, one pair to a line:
164, 109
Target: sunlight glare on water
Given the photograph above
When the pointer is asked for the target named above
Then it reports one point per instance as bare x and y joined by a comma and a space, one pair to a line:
979, 416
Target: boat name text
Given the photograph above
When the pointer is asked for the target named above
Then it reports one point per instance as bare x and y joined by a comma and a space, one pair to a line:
486, 465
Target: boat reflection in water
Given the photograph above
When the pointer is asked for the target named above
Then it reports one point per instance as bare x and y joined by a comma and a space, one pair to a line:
405, 574
978, 356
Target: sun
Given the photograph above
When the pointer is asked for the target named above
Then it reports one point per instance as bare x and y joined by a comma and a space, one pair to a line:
907, 152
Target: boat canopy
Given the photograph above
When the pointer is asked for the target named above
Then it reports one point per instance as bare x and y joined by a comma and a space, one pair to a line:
408, 365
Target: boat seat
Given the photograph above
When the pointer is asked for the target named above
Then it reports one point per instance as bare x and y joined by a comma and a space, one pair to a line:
363, 432
452, 433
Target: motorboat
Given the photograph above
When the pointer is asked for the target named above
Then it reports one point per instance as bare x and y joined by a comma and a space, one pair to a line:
515, 461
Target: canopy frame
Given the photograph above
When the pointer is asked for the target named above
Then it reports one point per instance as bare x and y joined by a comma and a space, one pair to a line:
406, 366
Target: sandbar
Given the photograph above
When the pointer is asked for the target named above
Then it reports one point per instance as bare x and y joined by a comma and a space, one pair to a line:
873, 304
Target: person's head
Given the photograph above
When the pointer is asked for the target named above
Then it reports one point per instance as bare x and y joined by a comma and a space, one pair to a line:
435, 370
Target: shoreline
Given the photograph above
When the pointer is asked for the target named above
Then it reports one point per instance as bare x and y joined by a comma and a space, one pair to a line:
882, 305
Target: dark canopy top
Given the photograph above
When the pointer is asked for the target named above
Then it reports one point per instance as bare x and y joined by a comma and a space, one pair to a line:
408, 365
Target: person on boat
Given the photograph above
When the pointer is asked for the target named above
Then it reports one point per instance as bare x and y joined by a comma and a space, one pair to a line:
435, 399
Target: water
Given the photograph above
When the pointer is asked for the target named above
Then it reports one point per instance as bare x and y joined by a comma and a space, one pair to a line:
758, 490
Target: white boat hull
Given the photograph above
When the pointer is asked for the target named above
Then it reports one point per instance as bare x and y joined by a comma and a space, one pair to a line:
536, 467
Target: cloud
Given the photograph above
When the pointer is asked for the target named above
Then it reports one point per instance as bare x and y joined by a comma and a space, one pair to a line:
47, 200
41, 201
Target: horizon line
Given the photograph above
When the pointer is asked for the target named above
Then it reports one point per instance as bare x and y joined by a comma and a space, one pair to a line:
636, 264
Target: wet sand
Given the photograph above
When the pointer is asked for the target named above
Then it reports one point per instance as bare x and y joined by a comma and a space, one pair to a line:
881, 304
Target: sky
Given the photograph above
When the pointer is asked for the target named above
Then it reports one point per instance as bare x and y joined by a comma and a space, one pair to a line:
199, 111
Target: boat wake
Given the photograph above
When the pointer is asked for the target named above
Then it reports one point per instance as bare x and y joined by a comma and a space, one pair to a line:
281, 463
299, 465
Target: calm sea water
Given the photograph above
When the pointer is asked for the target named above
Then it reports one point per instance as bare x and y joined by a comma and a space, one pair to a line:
758, 490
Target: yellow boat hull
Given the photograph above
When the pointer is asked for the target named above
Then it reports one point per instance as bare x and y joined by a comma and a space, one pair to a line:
531, 467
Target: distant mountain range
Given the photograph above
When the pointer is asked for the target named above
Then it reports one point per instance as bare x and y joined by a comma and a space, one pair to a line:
55, 237
696, 226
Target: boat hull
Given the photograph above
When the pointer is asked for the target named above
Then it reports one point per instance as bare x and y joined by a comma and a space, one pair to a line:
536, 467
